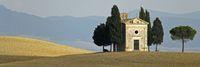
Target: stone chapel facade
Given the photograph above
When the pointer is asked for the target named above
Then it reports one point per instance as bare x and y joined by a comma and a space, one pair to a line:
134, 33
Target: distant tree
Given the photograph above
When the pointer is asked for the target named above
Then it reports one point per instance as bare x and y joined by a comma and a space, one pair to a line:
157, 33
100, 36
149, 38
115, 30
183, 33
142, 14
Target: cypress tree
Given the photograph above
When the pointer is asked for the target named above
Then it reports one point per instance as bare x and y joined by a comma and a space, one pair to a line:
142, 14
147, 18
145, 15
157, 33
115, 28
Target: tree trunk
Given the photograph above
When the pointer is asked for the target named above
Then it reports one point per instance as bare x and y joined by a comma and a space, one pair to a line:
118, 47
103, 48
156, 47
114, 47
111, 47
182, 45
148, 48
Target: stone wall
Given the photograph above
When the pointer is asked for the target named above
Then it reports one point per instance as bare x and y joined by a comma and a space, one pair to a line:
131, 35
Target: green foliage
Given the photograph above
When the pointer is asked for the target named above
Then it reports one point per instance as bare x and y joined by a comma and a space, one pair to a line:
182, 32
157, 31
100, 36
114, 25
149, 28
145, 15
116, 28
142, 14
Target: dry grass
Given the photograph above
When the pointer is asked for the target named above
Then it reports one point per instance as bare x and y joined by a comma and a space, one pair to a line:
19, 46
118, 59
8, 59
25, 53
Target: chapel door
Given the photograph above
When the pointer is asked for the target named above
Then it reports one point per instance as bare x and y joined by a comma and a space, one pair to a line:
136, 44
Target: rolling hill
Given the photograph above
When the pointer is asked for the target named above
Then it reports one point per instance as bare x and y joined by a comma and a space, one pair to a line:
20, 46
61, 29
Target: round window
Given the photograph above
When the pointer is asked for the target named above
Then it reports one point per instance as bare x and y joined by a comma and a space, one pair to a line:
136, 32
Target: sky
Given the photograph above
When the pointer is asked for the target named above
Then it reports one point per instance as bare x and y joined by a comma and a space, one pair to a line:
82, 8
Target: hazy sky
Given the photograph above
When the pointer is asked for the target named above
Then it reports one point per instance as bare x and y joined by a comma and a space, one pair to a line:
82, 8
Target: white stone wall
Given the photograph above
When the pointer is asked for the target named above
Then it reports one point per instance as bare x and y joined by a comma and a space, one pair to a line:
130, 36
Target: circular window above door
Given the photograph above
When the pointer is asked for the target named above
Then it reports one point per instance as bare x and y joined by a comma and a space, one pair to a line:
136, 32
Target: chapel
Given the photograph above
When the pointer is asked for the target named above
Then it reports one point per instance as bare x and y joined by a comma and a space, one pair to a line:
134, 32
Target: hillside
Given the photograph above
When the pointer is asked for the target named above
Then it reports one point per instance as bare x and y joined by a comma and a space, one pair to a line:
61, 29
118, 59
9, 59
78, 31
10, 45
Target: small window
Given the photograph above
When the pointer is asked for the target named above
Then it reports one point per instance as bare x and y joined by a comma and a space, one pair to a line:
131, 21
136, 32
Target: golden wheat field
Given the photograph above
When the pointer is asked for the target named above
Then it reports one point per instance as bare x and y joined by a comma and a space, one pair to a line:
20, 46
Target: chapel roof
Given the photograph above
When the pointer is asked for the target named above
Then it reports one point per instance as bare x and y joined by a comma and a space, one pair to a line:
135, 21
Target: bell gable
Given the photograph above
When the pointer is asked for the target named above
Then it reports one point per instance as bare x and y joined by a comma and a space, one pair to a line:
136, 21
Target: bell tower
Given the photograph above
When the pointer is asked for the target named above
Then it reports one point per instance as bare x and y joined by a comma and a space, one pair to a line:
124, 16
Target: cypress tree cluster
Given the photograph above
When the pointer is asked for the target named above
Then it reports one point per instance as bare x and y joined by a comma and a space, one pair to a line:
111, 32
145, 15
114, 25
